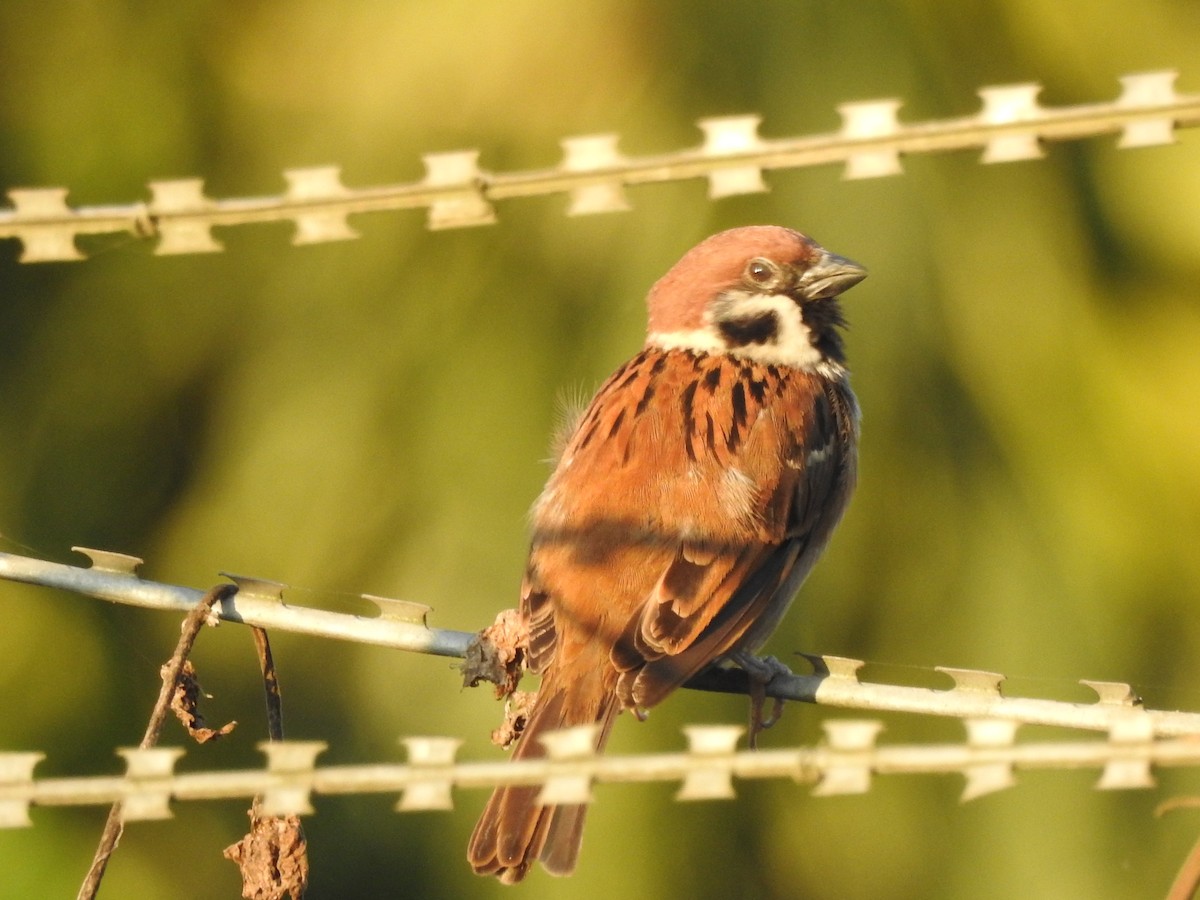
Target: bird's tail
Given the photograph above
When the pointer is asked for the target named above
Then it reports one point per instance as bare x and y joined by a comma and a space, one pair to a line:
515, 829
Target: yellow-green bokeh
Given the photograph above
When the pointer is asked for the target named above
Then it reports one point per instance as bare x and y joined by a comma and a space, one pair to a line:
373, 416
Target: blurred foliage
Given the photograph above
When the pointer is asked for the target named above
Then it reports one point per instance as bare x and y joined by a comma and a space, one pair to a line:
373, 416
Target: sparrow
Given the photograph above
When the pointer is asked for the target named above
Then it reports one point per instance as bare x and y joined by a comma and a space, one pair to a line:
689, 503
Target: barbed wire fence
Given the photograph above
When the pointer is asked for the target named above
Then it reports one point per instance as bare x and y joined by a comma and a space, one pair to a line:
593, 174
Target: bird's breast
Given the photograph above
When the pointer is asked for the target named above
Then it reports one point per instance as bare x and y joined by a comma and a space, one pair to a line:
680, 446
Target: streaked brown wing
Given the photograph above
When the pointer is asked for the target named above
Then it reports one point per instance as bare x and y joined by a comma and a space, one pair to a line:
538, 610
651, 669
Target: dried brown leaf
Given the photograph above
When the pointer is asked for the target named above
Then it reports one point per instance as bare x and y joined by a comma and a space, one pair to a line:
272, 857
516, 715
498, 653
185, 700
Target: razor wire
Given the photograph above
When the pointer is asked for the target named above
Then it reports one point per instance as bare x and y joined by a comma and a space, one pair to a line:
401, 624
455, 192
845, 762
593, 174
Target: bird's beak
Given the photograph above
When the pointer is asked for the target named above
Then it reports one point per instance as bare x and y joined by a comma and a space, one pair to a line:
829, 276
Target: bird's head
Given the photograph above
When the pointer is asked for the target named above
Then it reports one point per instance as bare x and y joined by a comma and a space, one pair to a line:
761, 292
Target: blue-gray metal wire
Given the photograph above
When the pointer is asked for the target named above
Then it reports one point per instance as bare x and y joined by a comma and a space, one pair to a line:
402, 625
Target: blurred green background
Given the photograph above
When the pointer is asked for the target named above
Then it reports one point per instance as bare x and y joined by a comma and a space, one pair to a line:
374, 415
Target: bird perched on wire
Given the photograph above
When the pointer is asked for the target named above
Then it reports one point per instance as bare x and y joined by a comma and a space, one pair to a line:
688, 505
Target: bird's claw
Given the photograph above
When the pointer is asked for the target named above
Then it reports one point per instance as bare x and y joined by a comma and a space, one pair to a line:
762, 670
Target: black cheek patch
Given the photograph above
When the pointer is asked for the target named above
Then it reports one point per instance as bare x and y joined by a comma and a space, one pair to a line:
760, 329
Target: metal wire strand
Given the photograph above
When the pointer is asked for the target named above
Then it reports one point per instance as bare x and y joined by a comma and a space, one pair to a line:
834, 681
846, 762
593, 174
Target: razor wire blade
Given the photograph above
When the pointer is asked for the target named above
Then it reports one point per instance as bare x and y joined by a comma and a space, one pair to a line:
456, 192
846, 762
835, 681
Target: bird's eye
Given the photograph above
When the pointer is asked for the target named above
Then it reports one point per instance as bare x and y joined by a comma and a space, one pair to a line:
762, 271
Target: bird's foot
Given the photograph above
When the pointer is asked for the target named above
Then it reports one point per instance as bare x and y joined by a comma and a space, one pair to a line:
762, 670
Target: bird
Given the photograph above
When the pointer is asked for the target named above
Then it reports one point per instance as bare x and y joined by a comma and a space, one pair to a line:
689, 502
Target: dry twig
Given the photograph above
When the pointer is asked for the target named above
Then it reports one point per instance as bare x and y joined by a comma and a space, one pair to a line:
1185, 883
114, 825
273, 856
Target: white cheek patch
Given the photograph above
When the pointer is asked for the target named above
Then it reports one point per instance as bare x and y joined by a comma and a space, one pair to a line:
791, 344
